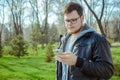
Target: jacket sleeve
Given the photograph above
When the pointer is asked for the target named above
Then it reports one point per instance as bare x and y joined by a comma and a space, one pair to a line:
101, 66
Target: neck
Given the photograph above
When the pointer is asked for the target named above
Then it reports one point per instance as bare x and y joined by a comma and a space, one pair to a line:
76, 34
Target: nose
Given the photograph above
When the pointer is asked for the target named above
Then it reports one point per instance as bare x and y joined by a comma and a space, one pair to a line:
69, 23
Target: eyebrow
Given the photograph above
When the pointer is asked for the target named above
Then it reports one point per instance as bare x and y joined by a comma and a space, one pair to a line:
71, 19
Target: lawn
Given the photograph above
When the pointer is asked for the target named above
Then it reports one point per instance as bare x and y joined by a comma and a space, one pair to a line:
34, 67
26, 68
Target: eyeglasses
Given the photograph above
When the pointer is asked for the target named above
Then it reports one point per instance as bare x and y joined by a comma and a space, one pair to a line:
72, 21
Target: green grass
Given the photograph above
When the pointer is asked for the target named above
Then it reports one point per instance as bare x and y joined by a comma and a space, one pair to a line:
116, 61
34, 67
116, 54
115, 78
26, 68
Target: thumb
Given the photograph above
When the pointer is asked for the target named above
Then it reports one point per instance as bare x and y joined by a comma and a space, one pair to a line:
67, 53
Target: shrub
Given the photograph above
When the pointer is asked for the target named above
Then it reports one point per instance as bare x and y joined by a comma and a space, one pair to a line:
49, 53
18, 47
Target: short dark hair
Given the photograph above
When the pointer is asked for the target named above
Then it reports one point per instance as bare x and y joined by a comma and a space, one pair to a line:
73, 6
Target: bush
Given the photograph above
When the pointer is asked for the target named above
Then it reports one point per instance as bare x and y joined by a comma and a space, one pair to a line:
49, 53
18, 47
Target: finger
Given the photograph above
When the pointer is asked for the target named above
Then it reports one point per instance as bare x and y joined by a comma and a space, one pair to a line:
66, 53
64, 56
58, 58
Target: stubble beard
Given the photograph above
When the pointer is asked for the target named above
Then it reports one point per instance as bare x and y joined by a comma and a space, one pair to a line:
76, 31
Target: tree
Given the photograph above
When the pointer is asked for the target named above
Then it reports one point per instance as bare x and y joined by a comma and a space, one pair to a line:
57, 9
35, 12
38, 10
97, 17
111, 19
17, 16
17, 10
118, 19
36, 22
1, 25
53, 35
109, 9
46, 27
20, 50
36, 37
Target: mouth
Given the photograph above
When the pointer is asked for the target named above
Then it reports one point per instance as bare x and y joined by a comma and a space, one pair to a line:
70, 27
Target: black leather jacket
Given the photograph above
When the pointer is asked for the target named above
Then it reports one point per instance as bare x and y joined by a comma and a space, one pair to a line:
94, 60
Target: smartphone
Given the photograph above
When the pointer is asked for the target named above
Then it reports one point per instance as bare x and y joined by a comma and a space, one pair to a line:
57, 51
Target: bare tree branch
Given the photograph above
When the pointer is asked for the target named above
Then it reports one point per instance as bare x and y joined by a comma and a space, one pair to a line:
98, 19
91, 10
103, 4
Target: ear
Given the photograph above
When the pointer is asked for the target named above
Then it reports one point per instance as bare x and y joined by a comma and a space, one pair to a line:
82, 18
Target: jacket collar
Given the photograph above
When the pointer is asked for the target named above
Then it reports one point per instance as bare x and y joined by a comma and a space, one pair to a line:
86, 29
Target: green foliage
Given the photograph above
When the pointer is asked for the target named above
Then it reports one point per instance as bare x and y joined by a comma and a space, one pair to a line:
36, 36
18, 47
7, 38
49, 53
6, 50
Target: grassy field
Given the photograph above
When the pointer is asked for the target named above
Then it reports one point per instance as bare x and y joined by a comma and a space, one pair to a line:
33, 68
26, 68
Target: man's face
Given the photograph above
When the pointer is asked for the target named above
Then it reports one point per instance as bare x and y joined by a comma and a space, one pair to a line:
73, 22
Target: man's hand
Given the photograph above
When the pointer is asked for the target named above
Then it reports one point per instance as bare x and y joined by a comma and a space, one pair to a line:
67, 58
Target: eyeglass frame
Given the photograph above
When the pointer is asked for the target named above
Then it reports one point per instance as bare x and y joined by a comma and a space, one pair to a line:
72, 21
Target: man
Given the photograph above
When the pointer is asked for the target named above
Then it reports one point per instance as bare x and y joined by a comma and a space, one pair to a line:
86, 54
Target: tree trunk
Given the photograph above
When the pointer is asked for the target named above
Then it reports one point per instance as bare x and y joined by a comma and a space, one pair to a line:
96, 16
0, 47
101, 27
46, 23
